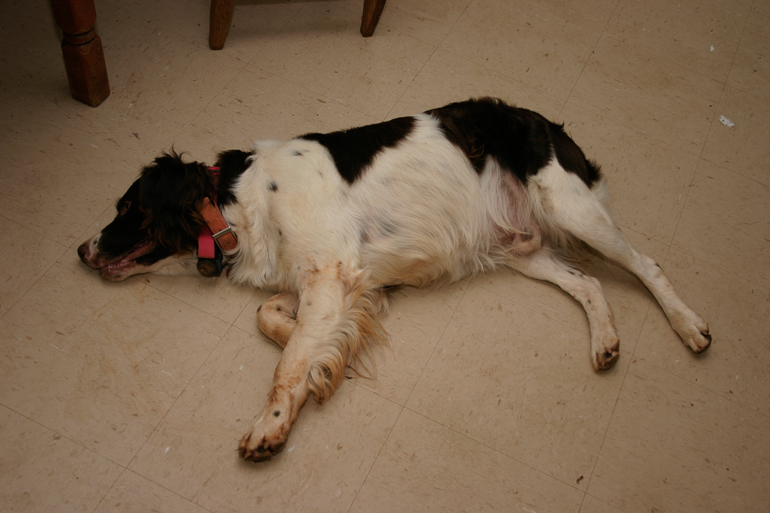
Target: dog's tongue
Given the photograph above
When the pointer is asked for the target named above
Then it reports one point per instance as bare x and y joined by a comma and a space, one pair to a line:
126, 261
140, 250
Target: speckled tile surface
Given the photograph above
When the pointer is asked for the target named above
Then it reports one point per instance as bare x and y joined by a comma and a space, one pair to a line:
131, 397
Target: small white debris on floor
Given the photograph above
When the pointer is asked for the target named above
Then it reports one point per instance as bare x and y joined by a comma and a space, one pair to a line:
726, 122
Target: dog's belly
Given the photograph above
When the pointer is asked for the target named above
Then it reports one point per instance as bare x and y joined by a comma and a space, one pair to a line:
444, 223
439, 249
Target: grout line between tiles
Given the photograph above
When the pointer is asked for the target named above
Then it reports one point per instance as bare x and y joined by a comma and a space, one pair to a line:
449, 321
491, 448
75, 442
435, 49
65, 249
243, 68
596, 44
377, 457
617, 399
708, 390
181, 393
109, 489
714, 120
126, 469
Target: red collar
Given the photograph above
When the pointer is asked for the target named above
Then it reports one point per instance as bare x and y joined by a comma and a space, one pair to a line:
216, 229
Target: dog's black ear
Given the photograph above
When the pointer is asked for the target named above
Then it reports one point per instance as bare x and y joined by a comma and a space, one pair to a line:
231, 164
170, 194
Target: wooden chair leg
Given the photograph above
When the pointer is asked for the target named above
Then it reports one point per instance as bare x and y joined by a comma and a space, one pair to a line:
219, 22
82, 50
372, 11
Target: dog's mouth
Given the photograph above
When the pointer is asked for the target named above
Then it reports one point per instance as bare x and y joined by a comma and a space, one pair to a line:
120, 269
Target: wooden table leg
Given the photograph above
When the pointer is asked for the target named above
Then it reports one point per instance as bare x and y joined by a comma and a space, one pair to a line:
219, 22
82, 50
372, 11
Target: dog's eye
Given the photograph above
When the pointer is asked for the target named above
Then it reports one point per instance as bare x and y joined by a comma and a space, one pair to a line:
123, 208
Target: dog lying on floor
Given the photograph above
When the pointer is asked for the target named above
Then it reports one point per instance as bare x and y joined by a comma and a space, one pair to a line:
333, 221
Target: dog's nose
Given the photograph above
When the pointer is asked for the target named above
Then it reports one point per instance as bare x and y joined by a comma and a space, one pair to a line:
83, 251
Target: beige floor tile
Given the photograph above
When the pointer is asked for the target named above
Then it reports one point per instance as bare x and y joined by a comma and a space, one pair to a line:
160, 80
742, 148
107, 7
42, 471
329, 453
20, 273
427, 467
737, 311
593, 505
750, 70
257, 105
429, 20
701, 37
759, 10
415, 322
668, 103
252, 26
518, 382
134, 494
628, 298
322, 50
100, 362
672, 446
543, 45
216, 296
30, 42
447, 78
137, 374
648, 180
725, 223
255, 24
247, 320
58, 188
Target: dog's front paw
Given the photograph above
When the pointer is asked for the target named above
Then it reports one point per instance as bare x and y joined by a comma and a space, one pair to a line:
260, 446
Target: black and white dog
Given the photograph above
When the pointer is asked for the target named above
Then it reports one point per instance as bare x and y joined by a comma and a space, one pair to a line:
332, 221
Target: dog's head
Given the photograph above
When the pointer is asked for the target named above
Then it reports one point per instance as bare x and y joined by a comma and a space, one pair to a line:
157, 221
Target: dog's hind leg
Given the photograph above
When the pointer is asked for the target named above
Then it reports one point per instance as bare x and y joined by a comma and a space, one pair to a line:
544, 265
574, 208
277, 317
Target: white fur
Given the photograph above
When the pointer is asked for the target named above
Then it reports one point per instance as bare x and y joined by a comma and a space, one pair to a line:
419, 214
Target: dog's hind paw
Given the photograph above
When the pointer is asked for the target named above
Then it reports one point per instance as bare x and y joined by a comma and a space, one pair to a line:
697, 339
605, 357
693, 331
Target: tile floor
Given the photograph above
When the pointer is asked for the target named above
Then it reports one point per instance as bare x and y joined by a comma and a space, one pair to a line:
131, 397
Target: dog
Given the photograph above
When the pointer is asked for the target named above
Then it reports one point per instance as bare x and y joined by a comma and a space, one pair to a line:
333, 221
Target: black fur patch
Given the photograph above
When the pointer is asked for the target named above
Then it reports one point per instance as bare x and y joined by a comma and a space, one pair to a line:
519, 139
159, 207
354, 149
170, 191
231, 164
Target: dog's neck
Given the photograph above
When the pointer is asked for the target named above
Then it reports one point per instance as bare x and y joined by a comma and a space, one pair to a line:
215, 231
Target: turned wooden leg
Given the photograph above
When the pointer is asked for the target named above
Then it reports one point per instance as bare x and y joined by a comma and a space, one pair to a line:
82, 50
372, 11
219, 22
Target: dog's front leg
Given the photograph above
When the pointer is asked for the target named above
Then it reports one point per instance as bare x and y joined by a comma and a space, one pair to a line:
323, 304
